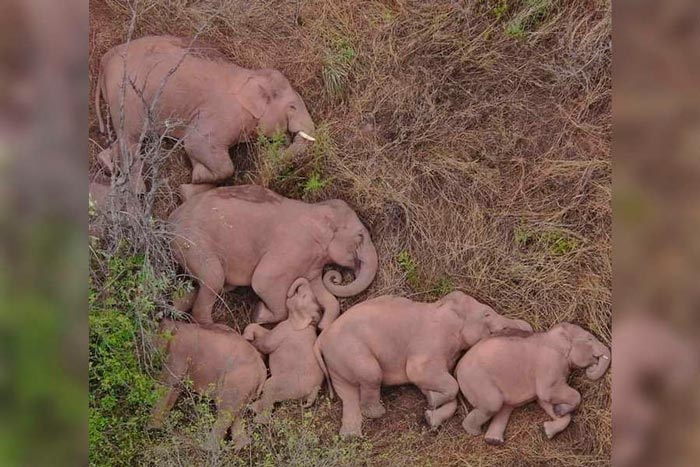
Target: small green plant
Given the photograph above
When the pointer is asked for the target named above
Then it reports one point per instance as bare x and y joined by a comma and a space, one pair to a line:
528, 18
314, 184
555, 241
515, 29
500, 10
337, 65
522, 236
273, 147
444, 286
558, 243
409, 267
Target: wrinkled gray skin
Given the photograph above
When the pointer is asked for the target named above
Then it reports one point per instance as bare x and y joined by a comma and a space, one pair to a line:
295, 373
220, 363
210, 103
502, 373
249, 235
390, 340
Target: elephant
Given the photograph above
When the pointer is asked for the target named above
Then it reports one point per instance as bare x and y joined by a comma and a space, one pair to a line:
295, 373
191, 91
220, 363
390, 340
501, 373
249, 235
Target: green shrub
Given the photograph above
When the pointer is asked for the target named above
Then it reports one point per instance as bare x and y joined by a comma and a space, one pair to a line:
122, 391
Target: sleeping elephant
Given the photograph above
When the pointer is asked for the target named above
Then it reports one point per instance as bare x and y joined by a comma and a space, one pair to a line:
502, 373
197, 96
389, 341
249, 235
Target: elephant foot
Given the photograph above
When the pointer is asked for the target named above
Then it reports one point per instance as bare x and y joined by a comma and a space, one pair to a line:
470, 428
493, 441
155, 425
350, 432
262, 314
373, 410
241, 441
553, 428
105, 160
562, 409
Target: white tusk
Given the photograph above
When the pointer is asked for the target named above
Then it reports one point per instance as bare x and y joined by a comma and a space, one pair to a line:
605, 357
305, 136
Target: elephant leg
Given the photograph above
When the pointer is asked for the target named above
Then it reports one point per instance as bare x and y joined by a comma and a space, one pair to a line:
211, 163
487, 402
171, 376
436, 417
352, 415
311, 397
274, 390
262, 314
106, 158
557, 424
433, 379
185, 302
370, 389
563, 398
497, 427
211, 282
271, 284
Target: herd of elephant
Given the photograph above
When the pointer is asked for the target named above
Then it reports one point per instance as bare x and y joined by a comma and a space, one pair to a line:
251, 236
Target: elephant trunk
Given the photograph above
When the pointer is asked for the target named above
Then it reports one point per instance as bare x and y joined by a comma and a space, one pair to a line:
364, 273
598, 369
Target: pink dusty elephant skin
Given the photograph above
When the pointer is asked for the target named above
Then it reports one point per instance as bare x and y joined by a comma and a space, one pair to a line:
390, 340
501, 373
249, 235
294, 371
192, 92
220, 363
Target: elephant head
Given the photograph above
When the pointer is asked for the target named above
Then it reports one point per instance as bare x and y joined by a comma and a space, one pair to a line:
271, 100
481, 321
303, 307
350, 247
584, 350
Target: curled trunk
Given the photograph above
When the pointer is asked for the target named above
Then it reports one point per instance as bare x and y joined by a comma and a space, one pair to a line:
364, 273
599, 368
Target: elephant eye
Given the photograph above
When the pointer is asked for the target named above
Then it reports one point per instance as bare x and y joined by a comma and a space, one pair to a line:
293, 107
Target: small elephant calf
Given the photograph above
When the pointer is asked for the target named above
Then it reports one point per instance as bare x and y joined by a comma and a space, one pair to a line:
220, 363
501, 373
295, 373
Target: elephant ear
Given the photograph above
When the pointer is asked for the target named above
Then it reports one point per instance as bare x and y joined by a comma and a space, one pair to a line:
253, 96
581, 353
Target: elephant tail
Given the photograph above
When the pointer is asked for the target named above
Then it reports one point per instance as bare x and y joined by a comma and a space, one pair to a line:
322, 364
98, 93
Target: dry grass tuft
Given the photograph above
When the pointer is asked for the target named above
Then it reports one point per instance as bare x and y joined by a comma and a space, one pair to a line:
474, 143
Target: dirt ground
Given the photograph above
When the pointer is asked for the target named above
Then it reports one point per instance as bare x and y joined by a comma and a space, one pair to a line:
472, 138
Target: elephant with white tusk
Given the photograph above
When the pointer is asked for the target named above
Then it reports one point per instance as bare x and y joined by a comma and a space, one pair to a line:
390, 340
502, 373
249, 235
199, 97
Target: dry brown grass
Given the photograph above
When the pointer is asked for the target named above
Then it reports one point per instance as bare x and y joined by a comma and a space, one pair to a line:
477, 155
